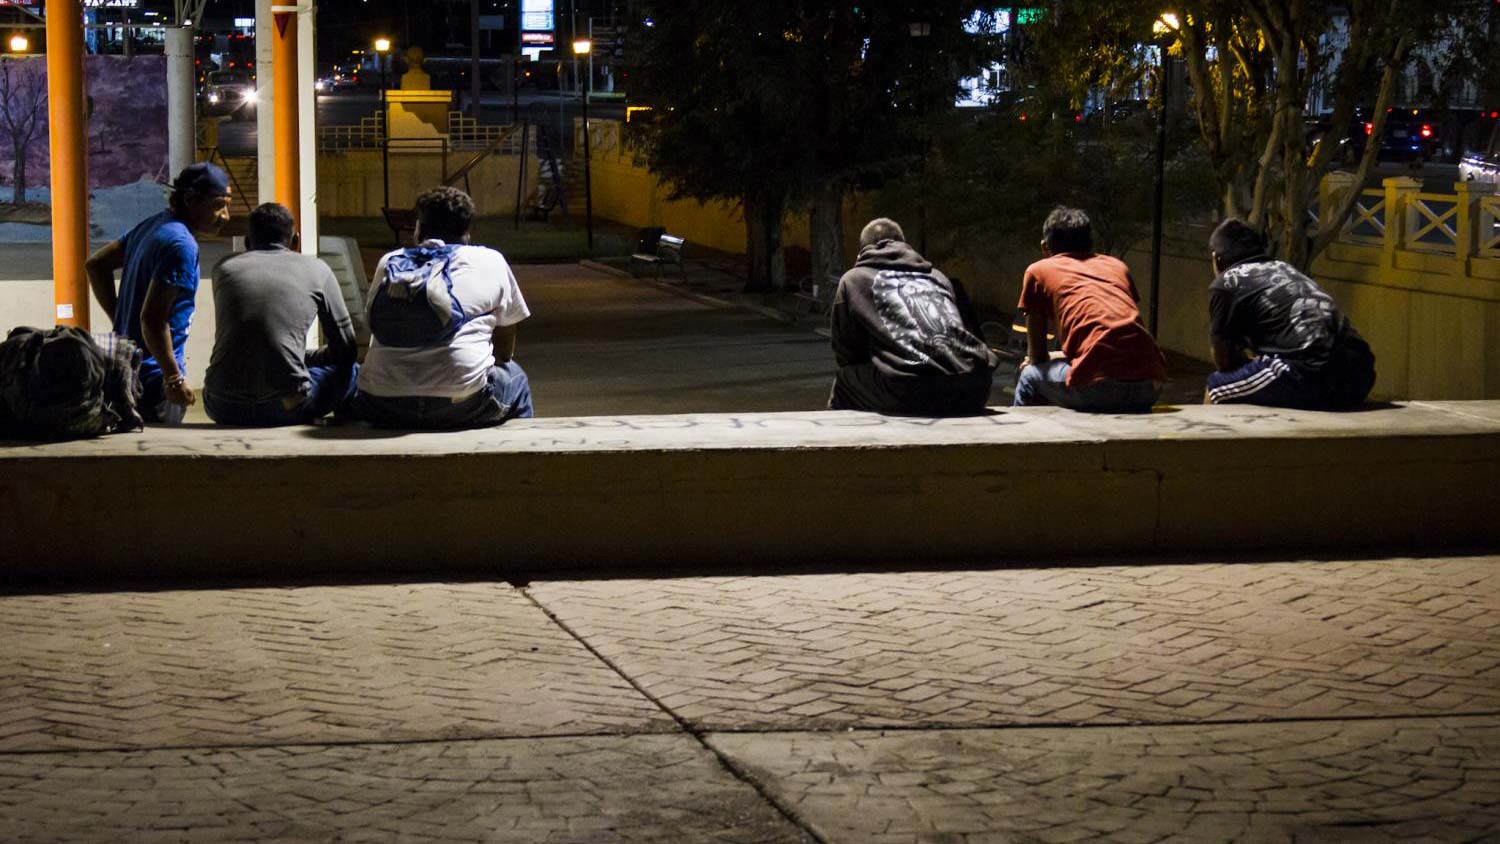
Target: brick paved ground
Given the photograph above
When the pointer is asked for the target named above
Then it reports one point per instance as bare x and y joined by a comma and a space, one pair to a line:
1432, 779
580, 789
1117, 644
1343, 701
274, 666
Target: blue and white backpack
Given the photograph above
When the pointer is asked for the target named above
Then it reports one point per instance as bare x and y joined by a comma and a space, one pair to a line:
414, 306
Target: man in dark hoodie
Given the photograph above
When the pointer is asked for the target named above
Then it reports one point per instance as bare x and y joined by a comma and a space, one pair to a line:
904, 336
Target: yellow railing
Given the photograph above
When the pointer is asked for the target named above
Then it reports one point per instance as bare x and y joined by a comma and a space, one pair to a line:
1369, 214
1430, 227
1488, 241
1401, 217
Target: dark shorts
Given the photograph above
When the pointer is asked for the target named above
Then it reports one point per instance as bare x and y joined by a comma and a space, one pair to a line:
1275, 382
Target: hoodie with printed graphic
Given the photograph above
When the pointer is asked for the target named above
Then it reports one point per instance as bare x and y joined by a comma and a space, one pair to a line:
894, 310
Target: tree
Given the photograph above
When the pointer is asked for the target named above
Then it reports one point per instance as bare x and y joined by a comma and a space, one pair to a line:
720, 128
774, 103
1252, 65
23, 107
887, 74
992, 178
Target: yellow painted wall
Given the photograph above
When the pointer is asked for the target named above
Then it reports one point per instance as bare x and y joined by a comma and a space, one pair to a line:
627, 193
349, 183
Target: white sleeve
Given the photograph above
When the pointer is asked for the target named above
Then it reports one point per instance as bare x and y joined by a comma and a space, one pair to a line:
510, 308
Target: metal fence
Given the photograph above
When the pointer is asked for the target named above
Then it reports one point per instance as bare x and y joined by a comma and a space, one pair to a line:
464, 133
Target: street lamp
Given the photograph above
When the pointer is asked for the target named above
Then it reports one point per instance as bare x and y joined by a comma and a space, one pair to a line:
584, 47
19, 43
1164, 27
382, 47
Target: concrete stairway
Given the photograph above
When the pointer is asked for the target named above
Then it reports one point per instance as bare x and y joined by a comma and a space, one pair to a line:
342, 255
731, 491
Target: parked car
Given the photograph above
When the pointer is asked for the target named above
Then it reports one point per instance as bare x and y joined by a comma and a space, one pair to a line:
228, 92
1480, 167
1410, 134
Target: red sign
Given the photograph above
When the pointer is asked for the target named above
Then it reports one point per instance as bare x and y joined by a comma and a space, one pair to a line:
537, 38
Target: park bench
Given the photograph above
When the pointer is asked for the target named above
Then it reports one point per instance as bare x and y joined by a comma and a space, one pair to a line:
815, 295
400, 220
662, 250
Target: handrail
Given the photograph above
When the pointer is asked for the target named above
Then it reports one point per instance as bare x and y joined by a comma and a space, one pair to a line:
463, 171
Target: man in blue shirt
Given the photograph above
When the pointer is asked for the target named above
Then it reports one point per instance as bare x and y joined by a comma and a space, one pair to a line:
159, 285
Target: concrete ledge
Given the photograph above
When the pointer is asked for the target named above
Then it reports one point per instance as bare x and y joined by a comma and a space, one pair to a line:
756, 489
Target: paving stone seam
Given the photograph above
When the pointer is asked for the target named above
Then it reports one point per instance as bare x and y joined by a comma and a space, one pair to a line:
968, 726
739, 772
331, 742
938, 727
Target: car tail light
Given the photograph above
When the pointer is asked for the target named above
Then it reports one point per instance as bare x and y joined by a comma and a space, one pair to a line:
1494, 115
1077, 118
1369, 128
1426, 130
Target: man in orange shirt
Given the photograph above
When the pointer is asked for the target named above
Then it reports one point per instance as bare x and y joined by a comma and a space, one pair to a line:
1110, 362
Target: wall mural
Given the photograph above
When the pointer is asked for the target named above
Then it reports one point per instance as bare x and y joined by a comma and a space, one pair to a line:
127, 144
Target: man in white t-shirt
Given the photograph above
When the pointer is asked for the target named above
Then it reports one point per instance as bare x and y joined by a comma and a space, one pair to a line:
444, 362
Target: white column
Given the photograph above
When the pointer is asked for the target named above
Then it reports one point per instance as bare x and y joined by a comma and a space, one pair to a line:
265, 117
307, 131
182, 112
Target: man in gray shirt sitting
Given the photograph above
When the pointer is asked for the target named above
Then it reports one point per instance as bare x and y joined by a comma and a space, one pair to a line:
265, 301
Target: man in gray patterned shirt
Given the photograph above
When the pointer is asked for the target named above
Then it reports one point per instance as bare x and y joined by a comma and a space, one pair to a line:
1277, 338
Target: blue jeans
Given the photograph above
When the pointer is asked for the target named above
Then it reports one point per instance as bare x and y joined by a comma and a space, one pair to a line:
1047, 385
328, 386
505, 395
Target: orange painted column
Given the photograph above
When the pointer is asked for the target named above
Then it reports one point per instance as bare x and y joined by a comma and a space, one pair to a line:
67, 127
284, 101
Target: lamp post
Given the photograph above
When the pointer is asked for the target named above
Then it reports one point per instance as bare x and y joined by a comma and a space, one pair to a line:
585, 47
383, 47
1162, 28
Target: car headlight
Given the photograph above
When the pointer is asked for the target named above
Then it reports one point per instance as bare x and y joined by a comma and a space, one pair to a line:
250, 97
213, 98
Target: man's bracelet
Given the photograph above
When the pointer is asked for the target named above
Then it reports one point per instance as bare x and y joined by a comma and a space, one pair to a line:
176, 380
